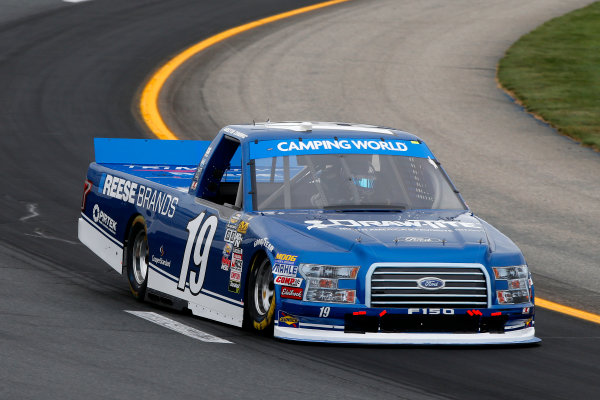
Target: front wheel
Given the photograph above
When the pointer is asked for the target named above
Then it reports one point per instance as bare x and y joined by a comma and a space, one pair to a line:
137, 258
261, 296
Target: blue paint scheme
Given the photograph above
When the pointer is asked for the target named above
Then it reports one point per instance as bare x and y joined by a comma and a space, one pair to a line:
170, 168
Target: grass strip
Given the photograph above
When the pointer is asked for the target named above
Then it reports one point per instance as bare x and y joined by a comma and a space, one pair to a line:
554, 72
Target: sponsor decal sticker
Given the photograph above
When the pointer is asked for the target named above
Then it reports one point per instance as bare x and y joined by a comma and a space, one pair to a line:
242, 227
104, 220
140, 195
236, 259
344, 144
291, 293
234, 286
225, 263
233, 237
285, 269
235, 272
288, 281
235, 132
161, 261
168, 168
419, 240
227, 249
235, 218
288, 258
413, 224
235, 275
288, 319
264, 242
196, 177
205, 158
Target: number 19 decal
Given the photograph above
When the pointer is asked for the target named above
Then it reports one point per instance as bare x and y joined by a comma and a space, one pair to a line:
200, 243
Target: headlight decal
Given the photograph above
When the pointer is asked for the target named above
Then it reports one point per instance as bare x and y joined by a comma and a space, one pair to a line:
517, 279
322, 283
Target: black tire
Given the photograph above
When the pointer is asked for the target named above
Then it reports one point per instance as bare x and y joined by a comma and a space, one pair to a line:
137, 258
260, 297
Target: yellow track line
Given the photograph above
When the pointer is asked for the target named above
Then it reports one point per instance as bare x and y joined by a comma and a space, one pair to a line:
152, 117
149, 100
573, 312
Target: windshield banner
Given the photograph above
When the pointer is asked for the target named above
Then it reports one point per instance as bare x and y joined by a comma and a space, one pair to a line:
278, 148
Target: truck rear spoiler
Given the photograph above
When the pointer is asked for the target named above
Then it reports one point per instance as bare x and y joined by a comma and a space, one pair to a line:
149, 151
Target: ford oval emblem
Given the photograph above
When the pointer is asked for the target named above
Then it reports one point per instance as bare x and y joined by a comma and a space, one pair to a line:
431, 283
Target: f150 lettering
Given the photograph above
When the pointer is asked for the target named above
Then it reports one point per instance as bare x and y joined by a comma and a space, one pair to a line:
431, 311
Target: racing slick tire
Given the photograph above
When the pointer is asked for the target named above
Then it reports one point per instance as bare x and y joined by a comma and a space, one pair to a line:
137, 258
260, 295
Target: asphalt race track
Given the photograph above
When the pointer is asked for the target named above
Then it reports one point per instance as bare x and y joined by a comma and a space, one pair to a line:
73, 71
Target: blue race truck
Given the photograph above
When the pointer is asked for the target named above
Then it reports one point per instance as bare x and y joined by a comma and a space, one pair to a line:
324, 232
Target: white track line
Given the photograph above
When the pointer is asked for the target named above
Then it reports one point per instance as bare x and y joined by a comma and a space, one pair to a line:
177, 327
32, 209
75, 1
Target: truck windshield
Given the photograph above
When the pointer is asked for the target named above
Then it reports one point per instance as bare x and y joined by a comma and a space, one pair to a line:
352, 182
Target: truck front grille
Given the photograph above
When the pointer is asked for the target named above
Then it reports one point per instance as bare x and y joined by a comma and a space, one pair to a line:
396, 286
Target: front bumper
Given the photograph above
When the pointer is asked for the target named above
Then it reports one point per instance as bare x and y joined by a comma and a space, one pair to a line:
474, 322
341, 324
521, 336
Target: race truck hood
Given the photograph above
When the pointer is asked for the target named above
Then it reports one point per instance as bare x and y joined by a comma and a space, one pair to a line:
435, 235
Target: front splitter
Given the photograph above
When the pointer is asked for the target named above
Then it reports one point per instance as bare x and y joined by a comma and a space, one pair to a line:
521, 336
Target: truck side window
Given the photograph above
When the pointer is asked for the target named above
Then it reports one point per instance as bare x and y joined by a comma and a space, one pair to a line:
222, 174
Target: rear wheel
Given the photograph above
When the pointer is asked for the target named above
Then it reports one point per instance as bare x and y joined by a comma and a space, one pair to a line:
261, 296
137, 258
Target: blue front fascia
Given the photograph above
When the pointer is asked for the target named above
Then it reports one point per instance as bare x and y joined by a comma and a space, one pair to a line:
279, 148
